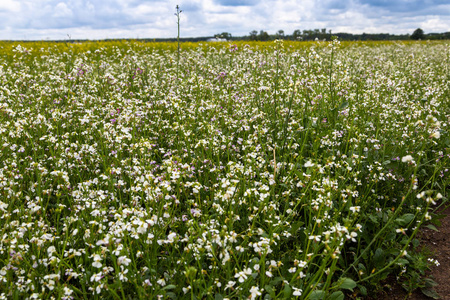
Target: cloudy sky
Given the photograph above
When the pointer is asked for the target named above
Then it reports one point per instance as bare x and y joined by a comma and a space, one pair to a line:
99, 19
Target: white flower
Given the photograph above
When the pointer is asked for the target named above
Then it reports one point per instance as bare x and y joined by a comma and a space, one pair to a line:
420, 195
171, 237
434, 261
122, 275
230, 284
97, 261
123, 260
315, 237
407, 158
51, 250
302, 264
308, 164
355, 209
435, 135
96, 277
297, 292
255, 292
98, 289
147, 282
273, 264
161, 282
401, 230
67, 291
353, 236
142, 227
242, 276
3, 206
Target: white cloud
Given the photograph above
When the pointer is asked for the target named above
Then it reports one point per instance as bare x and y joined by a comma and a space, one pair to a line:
435, 24
62, 11
97, 19
9, 6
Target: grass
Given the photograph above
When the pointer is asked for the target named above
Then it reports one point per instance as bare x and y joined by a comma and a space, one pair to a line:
261, 170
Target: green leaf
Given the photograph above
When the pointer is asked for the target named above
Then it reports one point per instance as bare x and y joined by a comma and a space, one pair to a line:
317, 295
343, 105
432, 227
347, 284
379, 258
386, 162
218, 297
429, 283
362, 290
296, 226
408, 218
436, 184
429, 292
169, 287
268, 288
390, 236
276, 280
405, 219
337, 296
423, 172
373, 218
287, 291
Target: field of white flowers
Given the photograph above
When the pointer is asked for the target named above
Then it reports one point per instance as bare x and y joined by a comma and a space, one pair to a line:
265, 171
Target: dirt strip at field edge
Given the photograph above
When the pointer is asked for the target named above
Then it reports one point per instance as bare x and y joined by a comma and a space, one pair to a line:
438, 242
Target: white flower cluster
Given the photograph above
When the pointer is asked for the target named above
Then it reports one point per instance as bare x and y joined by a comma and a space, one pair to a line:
121, 177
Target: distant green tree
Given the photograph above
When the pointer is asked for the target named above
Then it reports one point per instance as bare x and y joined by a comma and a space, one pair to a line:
280, 34
253, 35
307, 32
263, 36
224, 35
418, 34
297, 34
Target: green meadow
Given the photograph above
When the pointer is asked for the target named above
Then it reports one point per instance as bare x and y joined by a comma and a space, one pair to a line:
255, 170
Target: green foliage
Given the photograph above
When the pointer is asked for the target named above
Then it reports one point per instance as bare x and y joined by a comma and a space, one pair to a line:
418, 34
134, 170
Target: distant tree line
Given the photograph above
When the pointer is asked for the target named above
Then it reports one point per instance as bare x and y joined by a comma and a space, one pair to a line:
311, 35
324, 34
299, 35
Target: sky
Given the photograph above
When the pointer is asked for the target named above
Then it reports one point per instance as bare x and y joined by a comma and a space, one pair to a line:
102, 19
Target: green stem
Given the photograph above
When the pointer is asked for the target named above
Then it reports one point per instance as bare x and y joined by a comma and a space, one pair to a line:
401, 252
178, 38
397, 211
